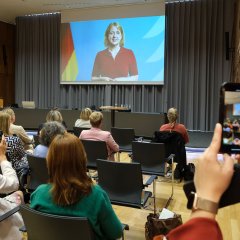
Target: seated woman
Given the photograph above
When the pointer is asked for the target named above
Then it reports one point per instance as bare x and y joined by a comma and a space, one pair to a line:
71, 191
84, 121
47, 133
172, 116
53, 115
15, 150
19, 131
96, 134
177, 144
9, 183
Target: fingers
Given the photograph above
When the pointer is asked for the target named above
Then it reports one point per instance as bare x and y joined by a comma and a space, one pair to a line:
228, 163
216, 140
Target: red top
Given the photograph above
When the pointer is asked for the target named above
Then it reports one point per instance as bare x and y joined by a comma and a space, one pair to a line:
195, 229
123, 65
177, 127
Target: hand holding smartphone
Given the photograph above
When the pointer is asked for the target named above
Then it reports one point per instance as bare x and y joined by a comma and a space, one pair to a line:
229, 117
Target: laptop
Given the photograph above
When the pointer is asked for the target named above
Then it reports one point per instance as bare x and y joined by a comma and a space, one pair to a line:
28, 104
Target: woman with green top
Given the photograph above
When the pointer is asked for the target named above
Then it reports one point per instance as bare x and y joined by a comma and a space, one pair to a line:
71, 192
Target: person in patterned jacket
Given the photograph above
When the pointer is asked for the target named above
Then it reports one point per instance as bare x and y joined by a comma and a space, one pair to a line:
15, 149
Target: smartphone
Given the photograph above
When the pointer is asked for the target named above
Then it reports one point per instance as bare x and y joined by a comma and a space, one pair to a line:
229, 117
229, 197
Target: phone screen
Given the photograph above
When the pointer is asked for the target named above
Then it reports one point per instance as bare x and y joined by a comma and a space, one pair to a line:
230, 117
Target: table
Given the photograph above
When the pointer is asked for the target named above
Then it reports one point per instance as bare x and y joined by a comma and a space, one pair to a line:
113, 109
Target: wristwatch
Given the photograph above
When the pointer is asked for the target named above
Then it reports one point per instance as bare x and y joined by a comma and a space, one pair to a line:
204, 204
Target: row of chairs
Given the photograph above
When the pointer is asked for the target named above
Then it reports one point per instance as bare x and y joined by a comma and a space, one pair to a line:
147, 158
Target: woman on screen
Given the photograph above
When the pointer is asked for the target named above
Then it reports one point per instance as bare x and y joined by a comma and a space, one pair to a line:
115, 63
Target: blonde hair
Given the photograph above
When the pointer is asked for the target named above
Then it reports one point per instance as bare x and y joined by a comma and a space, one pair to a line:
172, 115
85, 113
119, 27
96, 119
10, 112
4, 122
54, 115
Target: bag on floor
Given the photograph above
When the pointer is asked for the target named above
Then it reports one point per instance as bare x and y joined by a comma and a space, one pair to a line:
188, 173
155, 226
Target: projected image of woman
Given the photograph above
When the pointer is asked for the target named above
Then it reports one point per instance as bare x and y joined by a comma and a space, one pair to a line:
115, 63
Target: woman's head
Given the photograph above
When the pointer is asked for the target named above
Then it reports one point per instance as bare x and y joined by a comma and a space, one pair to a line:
85, 113
114, 35
49, 131
4, 122
96, 119
66, 162
172, 115
9, 111
54, 115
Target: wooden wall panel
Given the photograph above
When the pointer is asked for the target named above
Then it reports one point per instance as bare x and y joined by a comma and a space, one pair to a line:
7, 63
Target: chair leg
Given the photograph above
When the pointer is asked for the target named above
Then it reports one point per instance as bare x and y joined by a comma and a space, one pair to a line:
172, 183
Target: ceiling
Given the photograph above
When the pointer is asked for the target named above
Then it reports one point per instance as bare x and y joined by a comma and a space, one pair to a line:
10, 9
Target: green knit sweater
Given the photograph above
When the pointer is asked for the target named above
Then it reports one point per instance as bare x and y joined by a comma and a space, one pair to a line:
96, 207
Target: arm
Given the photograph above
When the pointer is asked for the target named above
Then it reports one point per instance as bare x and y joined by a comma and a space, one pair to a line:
8, 178
110, 224
112, 144
23, 135
100, 78
211, 180
129, 78
186, 137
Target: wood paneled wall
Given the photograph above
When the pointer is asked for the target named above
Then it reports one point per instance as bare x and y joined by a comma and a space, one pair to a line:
7, 63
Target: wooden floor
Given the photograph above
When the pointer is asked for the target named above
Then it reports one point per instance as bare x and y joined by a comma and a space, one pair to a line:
228, 218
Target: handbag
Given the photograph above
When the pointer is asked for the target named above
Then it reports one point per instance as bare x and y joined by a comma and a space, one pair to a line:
155, 226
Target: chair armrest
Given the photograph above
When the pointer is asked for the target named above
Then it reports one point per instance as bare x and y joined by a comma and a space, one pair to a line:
150, 180
9, 213
170, 158
125, 226
23, 229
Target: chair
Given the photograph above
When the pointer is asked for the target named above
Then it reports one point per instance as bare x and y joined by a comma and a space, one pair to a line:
36, 140
9, 213
46, 226
175, 144
123, 183
94, 150
152, 158
38, 172
77, 130
124, 138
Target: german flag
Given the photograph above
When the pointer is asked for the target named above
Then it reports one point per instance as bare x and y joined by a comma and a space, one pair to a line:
69, 66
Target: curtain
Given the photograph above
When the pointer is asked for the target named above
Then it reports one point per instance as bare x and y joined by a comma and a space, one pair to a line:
195, 66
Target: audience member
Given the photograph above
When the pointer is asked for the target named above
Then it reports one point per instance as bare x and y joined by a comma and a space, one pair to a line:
84, 121
172, 116
53, 115
15, 150
211, 180
9, 183
96, 134
47, 134
19, 131
71, 191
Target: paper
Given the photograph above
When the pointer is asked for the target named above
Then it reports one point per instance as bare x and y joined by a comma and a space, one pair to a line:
165, 214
